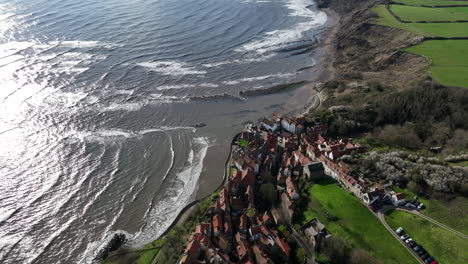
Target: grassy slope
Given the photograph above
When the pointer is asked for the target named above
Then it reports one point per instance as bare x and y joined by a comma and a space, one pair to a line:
449, 60
147, 256
430, 2
414, 13
443, 245
355, 223
452, 213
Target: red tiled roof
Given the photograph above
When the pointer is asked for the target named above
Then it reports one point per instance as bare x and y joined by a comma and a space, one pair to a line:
248, 177
400, 196
283, 245
193, 249
217, 222
255, 230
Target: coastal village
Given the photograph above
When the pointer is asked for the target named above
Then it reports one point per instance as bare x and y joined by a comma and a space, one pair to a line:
286, 152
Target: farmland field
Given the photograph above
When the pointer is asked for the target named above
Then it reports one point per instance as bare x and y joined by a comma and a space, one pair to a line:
443, 245
352, 221
449, 60
414, 13
431, 2
440, 29
423, 29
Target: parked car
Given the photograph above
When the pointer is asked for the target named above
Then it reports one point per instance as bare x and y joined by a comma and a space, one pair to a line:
408, 240
425, 256
434, 262
412, 244
404, 237
399, 230
422, 252
417, 204
421, 206
417, 248
429, 260
372, 208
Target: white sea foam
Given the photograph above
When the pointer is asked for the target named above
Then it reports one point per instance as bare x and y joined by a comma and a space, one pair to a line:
259, 78
257, 58
83, 44
277, 38
165, 210
123, 107
171, 68
118, 134
185, 86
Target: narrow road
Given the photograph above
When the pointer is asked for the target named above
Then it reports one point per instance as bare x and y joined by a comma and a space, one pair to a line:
434, 222
309, 250
309, 253
381, 216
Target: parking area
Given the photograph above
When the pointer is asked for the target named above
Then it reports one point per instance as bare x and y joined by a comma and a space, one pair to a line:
415, 247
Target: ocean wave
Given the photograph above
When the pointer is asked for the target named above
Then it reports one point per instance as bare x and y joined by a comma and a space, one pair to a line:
171, 68
257, 58
93, 248
276, 39
185, 86
116, 134
166, 209
259, 78
83, 44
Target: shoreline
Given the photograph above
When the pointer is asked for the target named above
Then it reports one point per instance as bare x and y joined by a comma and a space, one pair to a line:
321, 74
309, 88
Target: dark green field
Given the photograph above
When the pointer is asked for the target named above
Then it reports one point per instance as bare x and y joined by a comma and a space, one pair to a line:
355, 223
443, 245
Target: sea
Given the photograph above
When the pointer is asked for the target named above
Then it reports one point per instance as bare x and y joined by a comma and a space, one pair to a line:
108, 110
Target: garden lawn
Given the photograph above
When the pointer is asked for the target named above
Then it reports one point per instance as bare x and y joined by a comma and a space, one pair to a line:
443, 245
354, 222
243, 143
416, 13
450, 213
147, 256
431, 3
449, 60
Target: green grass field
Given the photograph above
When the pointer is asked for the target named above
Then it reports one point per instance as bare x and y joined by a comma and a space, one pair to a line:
386, 19
449, 60
415, 13
449, 57
423, 29
451, 213
443, 245
440, 29
243, 143
355, 223
430, 2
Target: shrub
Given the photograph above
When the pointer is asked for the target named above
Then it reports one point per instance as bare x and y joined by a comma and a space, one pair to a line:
399, 136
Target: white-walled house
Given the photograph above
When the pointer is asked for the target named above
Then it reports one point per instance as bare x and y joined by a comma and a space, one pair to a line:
398, 199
